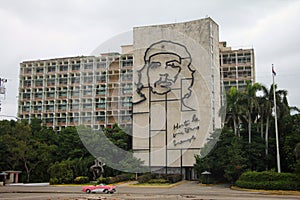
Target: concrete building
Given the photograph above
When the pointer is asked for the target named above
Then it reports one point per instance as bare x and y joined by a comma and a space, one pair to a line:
166, 86
236, 66
89, 90
176, 101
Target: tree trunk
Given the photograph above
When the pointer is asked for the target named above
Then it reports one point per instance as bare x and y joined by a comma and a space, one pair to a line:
267, 140
234, 126
27, 171
262, 128
249, 127
238, 127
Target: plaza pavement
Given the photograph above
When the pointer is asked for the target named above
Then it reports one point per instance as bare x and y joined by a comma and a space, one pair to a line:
190, 190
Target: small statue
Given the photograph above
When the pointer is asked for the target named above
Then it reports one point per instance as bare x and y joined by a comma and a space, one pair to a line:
97, 169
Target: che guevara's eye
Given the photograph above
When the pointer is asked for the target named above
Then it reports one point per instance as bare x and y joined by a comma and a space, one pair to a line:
154, 65
173, 64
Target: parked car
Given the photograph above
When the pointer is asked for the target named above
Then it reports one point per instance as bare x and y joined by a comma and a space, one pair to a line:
102, 188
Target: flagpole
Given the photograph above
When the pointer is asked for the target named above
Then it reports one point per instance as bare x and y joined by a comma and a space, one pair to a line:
276, 126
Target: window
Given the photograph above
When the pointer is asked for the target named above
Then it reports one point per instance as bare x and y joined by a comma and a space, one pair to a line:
101, 65
100, 118
49, 120
88, 66
87, 105
50, 107
39, 70
62, 107
51, 69
62, 94
101, 78
63, 81
126, 63
88, 79
63, 68
101, 90
75, 93
37, 108
26, 108
127, 89
100, 105
38, 95
50, 82
50, 94
75, 67
87, 92
126, 104
127, 77
74, 106
39, 83
75, 80
27, 83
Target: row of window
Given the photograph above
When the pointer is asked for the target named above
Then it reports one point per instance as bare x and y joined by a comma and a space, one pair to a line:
85, 119
78, 75
74, 67
63, 107
76, 93
242, 74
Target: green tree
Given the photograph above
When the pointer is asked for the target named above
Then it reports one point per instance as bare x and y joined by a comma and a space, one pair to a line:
251, 103
237, 161
265, 112
70, 145
61, 172
120, 137
234, 109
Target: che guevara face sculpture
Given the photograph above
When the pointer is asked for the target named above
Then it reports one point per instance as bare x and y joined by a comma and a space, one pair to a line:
163, 71
165, 62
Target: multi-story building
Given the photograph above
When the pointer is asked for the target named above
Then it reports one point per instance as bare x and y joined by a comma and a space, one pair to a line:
170, 95
92, 90
237, 66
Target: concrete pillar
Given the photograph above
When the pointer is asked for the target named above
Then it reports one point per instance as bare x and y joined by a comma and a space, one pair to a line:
11, 177
16, 177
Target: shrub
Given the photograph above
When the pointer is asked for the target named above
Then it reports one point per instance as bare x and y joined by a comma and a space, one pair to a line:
61, 172
103, 180
121, 177
158, 181
53, 181
269, 180
170, 178
145, 178
173, 178
81, 179
116, 179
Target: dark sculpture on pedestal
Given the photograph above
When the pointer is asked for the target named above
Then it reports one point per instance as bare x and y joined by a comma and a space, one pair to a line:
97, 169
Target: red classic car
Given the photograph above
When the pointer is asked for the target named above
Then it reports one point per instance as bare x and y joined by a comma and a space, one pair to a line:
99, 188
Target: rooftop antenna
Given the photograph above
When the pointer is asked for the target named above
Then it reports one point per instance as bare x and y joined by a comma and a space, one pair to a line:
2, 89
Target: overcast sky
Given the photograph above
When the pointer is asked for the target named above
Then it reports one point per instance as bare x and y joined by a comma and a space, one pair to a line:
40, 29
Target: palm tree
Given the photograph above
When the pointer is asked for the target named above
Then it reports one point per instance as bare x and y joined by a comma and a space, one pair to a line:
234, 109
297, 151
251, 102
265, 105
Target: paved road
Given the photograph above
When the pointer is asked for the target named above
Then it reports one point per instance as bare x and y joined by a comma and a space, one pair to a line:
186, 191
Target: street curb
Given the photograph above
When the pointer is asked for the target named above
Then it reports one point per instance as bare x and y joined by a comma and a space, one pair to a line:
158, 186
274, 192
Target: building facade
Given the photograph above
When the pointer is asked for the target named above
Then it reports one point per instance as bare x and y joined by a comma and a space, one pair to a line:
167, 87
89, 90
237, 66
176, 99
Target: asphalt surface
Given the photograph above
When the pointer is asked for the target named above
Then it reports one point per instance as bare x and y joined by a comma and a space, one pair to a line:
186, 190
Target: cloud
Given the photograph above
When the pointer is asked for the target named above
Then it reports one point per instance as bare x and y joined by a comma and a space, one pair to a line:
38, 29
